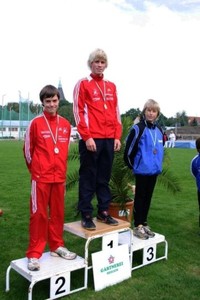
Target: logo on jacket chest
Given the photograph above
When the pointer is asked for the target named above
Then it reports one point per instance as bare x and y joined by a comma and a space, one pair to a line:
46, 134
96, 95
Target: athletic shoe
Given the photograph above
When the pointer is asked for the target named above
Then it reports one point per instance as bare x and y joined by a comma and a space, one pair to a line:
33, 264
140, 233
104, 217
64, 253
87, 223
150, 233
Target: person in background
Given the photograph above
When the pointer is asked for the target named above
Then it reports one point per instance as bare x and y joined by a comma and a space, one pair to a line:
46, 151
172, 139
165, 138
144, 153
195, 171
99, 125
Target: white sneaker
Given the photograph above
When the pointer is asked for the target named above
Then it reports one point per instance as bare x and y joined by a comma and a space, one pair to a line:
148, 230
64, 253
33, 264
140, 233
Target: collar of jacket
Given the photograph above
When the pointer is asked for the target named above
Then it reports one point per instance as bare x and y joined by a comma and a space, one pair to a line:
49, 116
96, 77
149, 124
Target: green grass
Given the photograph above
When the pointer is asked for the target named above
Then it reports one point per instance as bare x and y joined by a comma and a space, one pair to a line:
175, 216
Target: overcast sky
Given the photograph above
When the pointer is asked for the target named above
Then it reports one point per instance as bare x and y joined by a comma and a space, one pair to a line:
153, 49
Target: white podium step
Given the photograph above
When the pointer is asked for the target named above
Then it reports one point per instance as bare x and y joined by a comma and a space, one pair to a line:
148, 247
50, 267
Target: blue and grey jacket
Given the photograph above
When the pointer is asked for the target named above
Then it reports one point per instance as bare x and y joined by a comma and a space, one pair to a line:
195, 169
144, 149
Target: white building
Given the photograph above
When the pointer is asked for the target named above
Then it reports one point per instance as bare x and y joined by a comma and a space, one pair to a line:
16, 130
13, 129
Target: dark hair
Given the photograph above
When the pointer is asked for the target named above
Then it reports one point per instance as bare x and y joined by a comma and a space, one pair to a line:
49, 91
198, 144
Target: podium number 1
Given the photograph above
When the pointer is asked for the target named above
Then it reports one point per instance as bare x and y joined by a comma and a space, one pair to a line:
109, 241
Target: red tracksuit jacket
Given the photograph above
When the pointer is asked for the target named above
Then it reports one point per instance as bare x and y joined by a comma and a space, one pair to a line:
96, 109
43, 163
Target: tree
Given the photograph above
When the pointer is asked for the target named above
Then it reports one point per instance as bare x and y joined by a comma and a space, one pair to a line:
132, 113
14, 105
66, 111
194, 122
181, 118
35, 108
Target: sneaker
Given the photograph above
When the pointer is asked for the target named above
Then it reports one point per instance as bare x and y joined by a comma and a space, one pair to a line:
87, 223
140, 232
104, 217
64, 253
33, 264
150, 233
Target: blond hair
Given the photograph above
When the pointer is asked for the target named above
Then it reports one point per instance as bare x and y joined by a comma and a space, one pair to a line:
97, 54
151, 104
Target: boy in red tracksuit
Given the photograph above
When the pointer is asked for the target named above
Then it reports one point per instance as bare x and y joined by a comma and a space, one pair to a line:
99, 125
46, 151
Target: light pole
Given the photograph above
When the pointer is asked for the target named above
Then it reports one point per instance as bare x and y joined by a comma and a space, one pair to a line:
10, 118
28, 106
2, 115
19, 114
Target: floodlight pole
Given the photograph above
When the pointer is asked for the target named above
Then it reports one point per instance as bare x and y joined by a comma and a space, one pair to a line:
10, 117
28, 106
19, 114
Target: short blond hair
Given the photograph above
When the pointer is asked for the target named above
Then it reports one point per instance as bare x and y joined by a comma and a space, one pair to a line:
151, 104
97, 54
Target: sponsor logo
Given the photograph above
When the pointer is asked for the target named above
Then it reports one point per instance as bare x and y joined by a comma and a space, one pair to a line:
112, 267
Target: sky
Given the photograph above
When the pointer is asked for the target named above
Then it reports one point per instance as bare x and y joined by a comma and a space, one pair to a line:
153, 49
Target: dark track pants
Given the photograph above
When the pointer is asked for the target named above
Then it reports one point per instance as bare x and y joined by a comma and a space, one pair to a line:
143, 194
94, 175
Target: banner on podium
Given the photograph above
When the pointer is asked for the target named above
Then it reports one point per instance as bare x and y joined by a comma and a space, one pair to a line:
111, 266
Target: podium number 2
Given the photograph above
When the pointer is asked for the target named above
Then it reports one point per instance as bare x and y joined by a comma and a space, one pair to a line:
60, 285
61, 282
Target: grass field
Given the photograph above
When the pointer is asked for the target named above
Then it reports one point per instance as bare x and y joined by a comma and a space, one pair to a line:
175, 216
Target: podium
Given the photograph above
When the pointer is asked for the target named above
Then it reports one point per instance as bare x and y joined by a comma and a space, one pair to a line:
110, 240
57, 269
147, 247
116, 260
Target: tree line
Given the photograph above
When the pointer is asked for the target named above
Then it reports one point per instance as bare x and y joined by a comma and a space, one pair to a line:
66, 111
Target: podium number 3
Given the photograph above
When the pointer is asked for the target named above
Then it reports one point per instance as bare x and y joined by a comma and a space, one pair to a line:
149, 254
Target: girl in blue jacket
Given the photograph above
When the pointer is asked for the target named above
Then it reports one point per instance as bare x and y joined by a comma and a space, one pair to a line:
144, 153
195, 170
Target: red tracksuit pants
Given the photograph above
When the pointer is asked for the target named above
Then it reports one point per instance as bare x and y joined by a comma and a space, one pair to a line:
46, 217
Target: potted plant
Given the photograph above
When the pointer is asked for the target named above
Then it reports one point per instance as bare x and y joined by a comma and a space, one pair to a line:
122, 181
